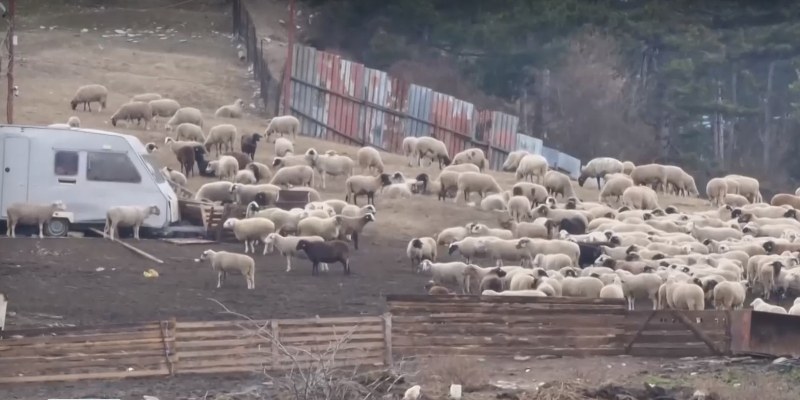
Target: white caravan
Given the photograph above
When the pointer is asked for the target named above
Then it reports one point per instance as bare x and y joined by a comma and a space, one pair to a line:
89, 170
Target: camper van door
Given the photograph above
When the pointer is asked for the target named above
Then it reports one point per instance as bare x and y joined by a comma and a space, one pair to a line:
16, 154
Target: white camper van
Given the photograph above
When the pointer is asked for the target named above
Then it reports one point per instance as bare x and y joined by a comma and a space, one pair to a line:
89, 170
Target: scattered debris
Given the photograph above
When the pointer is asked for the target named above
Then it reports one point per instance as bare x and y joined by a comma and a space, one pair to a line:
150, 273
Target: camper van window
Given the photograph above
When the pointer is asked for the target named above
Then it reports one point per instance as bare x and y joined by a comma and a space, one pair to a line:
66, 163
111, 167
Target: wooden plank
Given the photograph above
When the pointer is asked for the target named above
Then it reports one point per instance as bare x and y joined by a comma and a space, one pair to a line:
355, 337
187, 241
96, 337
506, 341
552, 319
424, 298
320, 322
259, 368
77, 356
30, 368
81, 330
700, 334
56, 349
522, 350
387, 339
463, 329
86, 376
129, 247
510, 309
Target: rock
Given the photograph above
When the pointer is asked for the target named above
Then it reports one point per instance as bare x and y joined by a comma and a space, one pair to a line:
455, 392
145, 397
522, 358
84, 30
780, 360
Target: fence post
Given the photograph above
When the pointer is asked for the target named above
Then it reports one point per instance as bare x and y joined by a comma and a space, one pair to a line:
275, 343
3, 306
387, 339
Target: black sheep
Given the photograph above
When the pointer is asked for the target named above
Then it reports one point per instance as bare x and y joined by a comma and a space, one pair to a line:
249, 144
202, 163
591, 252
326, 252
573, 226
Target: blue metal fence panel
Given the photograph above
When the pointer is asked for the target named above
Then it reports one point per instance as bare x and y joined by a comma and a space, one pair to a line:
529, 143
551, 155
569, 164
418, 106
307, 100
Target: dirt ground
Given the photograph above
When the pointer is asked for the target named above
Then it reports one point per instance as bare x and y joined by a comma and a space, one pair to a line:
187, 53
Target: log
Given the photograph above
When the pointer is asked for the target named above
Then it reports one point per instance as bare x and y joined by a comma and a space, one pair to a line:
129, 247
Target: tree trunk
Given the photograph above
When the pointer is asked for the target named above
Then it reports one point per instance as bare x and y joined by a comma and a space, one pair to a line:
766, 130
731, 148
719, 130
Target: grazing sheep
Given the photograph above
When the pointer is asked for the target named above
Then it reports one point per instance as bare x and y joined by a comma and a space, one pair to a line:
461, 168
289, 160
215, 192
185, 114
233, 110
284, 124
476, 182
471, 156
164, 107
352, 227
640, 198
513, 159
734, 200
188, 131
146, 97
31, 213
627, 167
296, 175
558, 183
650, 174
260, 171
88, 94
433, 149
174, 176
241, 159
422, 248
535, 192
327, 164
220, 136
223, 262
615, 186
132, 216
250, 231
250, 143
760, 305
531, 166
369, 158
496, 202
409, 150
287, 247
598, 168
519, 208
283, 147
137, 110
748, 187
785, 199
358, 185
225, 167
325, 252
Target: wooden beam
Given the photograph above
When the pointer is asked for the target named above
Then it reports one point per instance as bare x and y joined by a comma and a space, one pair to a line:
697, 332
129, 247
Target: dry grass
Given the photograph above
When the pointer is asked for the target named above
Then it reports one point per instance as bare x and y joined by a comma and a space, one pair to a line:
438, 373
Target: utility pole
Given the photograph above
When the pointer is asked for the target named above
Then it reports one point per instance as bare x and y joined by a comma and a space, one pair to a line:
287, 72
11, 40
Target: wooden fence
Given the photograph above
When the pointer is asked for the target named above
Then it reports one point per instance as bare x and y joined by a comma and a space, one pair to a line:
168, 347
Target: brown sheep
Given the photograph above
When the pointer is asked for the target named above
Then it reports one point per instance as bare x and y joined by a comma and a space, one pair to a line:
186, 158
241, 158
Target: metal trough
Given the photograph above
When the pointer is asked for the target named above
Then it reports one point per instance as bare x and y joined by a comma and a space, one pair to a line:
763, 333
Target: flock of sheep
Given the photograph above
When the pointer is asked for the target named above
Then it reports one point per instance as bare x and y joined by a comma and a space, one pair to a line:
623, 245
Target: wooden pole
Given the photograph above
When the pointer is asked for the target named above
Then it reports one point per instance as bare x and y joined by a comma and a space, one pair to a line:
287, 72
10, 74
3, 307
129, 247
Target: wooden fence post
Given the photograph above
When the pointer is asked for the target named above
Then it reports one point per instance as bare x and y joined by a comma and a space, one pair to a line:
3, 306
275, 343
387, 339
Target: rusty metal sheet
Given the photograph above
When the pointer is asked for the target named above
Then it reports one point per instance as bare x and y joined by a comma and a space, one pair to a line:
305, 94
570, 165
529, 143
454, 122
755, 332
382, 127
497, 158
418, 106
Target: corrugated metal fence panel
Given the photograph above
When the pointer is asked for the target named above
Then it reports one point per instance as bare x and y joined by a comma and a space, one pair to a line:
504, 130
569, 164
453, 122
307, 100
346, 80
551, 155
383, 128
483, 126
418, 106
496, 158
529, 143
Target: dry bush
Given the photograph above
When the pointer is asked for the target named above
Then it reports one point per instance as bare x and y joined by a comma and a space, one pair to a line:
439, 373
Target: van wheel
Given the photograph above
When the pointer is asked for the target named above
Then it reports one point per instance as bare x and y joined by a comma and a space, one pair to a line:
56, 227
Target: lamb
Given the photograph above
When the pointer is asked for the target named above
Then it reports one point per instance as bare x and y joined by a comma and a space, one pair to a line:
188, 131
250, 231
718, 234
762, 306
558, 183
527, 229
748, 187
325, 252
453, 234
225, 167
650, 174
350, 210
434, 149
283, 147
72, 122
249, 144
536, 193
627, 167
582, 286
435, 290
164, 107
327, 228
223, 262
422, 248
734, 200
284, 124
474, 273
519, 208
174, 176
786, 199
598, 168
496, 202
577, 220
358, 185
296, 175
729, 295
640, 286
215, 192
135, 110
285, 221
245, 176
448, 183
513, 159
471, 156
469, 182
615, 187
233, 110
532, 166
484, 230
555, 246
409, 150
185, 114
613, 290
88, 94
444, 273
352, 227
368, 158
640, 197
133, 216
31, 213
219, 136
461, 168
146, 97
260, 171
552, 262
333, 165
244, 194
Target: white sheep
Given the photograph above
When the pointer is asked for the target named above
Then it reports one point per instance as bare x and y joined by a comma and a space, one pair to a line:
613, 290
132, 216
598, 168
150, 147
433, 149
614, 187
471, 247
627, 167
244, 194
716, 189
501, 250
173, 176
760, 305
165, 108
453, 234
233, 110
526, 293
748, 187
283, 147
513, 159
734, 200
146, 97
289, 160
284, 124
409, 150
461, 168
89, 94
333, 165
225, 167
535, 192
72, 122
581, 286
327, 228
287, 247
448, 272
559, 183
296, 175
531, 166
260, 171
484, 230
795, 309
729, 295
554, 246
223, 262
245, 176
473, 156
250, 231
650, 174
641, 286
422, 248
350, 210
219, 136
188, 131
640, 198
31, 213
358, 185
688, 296
519, 208
214, 192
140, 111
369, 158
552, 261
185, 114
476, 182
